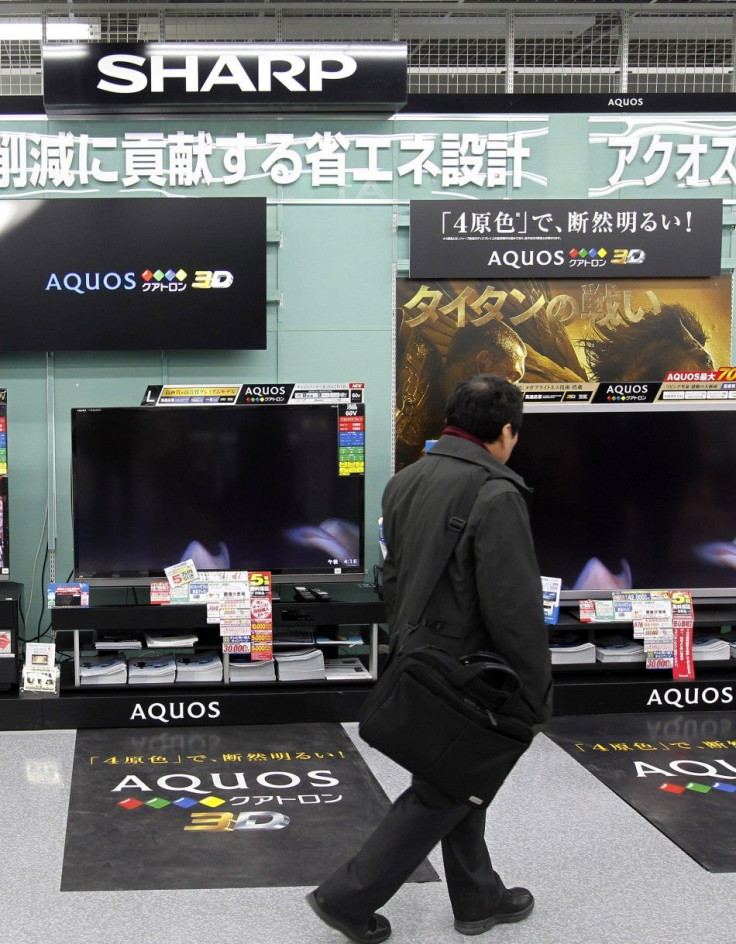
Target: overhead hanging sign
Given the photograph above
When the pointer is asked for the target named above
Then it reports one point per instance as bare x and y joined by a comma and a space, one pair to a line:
190, 78
565, 238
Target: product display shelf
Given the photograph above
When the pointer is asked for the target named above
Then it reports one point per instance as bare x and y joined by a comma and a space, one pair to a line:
348, 624
586, 688
706, 616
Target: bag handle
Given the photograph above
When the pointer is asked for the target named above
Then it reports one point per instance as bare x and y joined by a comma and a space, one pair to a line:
489, 678
488, 684
465, 674
484, 663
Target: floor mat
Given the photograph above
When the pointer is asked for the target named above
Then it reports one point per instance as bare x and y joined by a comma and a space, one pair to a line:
677, 770
230, 807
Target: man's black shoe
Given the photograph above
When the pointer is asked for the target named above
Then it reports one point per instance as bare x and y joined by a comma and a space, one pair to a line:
517, 903
373, 931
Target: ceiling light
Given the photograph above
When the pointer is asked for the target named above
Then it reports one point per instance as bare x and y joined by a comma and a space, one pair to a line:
30, 29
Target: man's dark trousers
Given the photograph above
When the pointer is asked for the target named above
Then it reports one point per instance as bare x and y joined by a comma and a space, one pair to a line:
417, 821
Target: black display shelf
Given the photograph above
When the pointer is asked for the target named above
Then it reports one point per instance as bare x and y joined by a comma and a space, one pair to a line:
582, 688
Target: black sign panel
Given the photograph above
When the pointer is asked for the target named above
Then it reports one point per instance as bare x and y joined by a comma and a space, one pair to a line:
565, 238
166, 78
116, 274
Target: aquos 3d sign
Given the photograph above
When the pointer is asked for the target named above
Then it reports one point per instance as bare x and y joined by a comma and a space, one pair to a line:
180, 78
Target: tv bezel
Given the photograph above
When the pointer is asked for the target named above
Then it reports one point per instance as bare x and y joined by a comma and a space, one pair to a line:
4, 493
709, 595
135, 580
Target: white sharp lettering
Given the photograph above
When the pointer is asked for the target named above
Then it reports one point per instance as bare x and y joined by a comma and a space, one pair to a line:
267, 70
189, 72
228, 70
128, 80
318, 70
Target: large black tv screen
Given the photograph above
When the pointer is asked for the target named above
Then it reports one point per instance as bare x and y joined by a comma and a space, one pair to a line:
640, 498
232, 488
133, 274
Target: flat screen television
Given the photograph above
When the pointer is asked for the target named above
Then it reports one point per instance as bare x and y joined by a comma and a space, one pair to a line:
634, 498
232, 488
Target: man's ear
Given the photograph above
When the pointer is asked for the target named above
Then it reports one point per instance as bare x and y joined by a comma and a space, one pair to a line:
484, 361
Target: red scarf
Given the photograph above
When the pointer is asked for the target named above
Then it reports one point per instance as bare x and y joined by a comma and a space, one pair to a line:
462, 434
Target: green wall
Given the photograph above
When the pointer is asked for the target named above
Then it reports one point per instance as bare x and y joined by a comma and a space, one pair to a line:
334, 249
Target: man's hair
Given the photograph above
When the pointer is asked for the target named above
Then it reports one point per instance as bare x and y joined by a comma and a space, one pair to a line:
483, 405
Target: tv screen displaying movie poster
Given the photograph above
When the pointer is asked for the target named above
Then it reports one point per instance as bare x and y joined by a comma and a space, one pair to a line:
546, 333
133, 274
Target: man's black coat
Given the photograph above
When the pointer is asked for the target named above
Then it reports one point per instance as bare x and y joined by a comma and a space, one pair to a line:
490, 596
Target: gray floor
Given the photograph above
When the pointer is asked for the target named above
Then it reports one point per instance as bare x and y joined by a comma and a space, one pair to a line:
600, 873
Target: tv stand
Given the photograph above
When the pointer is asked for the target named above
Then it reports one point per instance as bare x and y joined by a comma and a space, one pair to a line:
596, 688
606, 687
348, 625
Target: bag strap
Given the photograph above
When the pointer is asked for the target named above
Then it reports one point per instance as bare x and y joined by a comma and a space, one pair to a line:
455, 527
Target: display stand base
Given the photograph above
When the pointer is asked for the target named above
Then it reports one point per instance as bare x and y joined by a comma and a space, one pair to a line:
169, 706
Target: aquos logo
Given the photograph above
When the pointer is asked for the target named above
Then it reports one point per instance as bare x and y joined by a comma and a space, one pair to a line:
259, 391
187, 792
627, 393
166, 712
625, 102
151, 281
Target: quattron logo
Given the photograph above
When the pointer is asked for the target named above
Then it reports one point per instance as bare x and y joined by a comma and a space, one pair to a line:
203, 278
619, 256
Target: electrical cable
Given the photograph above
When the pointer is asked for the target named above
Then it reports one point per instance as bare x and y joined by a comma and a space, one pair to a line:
35, 565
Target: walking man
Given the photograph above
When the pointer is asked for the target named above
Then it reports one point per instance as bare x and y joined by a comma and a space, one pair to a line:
488, 598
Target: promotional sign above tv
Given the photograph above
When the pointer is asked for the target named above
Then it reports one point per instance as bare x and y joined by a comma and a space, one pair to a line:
175, 78
116, 274
565, 238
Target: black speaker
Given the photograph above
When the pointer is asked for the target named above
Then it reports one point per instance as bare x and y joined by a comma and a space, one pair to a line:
10, 597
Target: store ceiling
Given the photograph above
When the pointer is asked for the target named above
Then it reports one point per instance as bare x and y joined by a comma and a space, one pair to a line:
666, 45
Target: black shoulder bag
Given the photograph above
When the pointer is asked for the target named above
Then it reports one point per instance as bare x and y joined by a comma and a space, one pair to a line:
448, 721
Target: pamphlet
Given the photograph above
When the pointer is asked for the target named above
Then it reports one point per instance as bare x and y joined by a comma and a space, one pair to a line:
181, 573
381, 542
261, 613
40, 673
40, 654
236, 645
239, 600
43, 681
633, 605
663, 620
596, 611
243, 608
683, 620
67, 594
551, 599
160, 591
